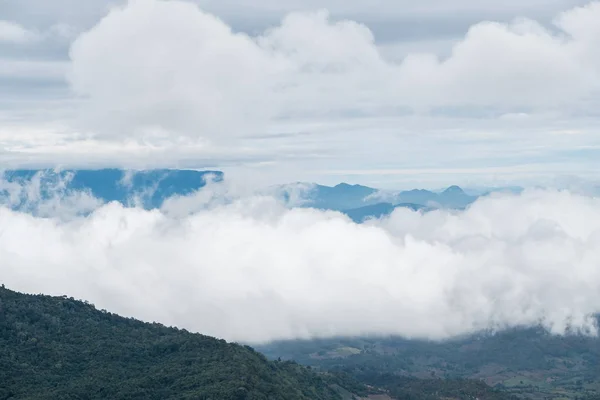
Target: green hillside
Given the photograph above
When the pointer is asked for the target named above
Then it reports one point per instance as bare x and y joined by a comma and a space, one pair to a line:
60, 348
529, 363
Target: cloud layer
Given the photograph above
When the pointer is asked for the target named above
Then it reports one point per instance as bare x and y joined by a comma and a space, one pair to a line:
252, 270
361, 93
168, 68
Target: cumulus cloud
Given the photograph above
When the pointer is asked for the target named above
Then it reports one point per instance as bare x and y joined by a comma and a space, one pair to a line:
252, 270
169, 68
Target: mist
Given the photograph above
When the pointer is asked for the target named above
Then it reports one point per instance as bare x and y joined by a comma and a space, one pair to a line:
247, 267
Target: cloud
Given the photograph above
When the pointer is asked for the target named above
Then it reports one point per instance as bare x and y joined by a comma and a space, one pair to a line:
12, 32
196, 92
249, 269
166, 68
157, 69
46, 195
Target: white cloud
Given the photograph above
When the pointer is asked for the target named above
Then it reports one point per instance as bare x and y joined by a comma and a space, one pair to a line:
251, 270
46, 196
168, 68
12, 32
159, 92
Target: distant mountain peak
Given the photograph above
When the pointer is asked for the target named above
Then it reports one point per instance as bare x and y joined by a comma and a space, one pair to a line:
347, 185
454, 190
417, 192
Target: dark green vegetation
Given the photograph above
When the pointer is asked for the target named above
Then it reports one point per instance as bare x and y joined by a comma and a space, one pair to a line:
407, 388
60, 348
530, 363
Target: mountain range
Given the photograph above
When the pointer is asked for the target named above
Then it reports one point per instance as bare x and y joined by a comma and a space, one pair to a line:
345, 197
150, 189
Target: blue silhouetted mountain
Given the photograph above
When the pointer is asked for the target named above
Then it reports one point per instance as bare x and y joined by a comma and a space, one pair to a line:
345, 197
340, 197
151, 188
360, 215
417, 196
455, 197
146, 188
361, 202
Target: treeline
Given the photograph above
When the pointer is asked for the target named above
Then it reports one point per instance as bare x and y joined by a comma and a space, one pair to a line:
60, 348
407, 388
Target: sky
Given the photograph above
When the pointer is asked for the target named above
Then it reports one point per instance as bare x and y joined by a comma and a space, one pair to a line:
393, 94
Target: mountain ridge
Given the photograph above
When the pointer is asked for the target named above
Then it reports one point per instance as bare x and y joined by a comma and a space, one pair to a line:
151, 188
61, 348
56, 347
148, 188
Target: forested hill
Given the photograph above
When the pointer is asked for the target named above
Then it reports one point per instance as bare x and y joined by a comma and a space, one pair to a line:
60, 348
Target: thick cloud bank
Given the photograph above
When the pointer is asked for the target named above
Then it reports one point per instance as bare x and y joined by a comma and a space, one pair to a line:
253, 270
156, 68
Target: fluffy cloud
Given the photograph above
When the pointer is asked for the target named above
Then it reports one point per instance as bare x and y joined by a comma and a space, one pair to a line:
253, 270
12, 32
316, 88
169, 68
154, 66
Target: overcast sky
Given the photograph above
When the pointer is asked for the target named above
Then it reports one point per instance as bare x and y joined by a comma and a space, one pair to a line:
387, 93
394, 94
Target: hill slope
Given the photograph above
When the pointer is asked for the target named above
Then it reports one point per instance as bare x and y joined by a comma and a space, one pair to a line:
526, 362
60, 348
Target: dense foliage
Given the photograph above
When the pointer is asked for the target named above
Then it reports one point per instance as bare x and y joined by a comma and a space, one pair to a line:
529, 362
60, 348
406, 388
